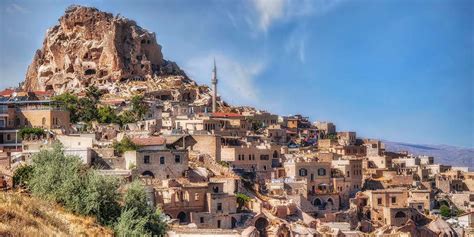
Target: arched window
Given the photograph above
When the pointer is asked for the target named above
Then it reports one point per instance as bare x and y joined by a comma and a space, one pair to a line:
321, 172
275, 154
317, 202
182, 217
400, 214
330, 201
148, 173
303, 172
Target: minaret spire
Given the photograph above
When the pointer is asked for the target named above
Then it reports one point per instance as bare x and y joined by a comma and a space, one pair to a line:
214, 87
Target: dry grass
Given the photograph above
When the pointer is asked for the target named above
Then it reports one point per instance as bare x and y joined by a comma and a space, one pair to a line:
21, 215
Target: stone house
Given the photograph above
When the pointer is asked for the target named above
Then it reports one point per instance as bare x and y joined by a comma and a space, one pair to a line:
157, 159
251, 157
22, 112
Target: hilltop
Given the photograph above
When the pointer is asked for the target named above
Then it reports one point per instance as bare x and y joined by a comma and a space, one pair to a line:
89, 47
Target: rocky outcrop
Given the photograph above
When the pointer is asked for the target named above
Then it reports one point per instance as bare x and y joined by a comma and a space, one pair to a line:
91, 47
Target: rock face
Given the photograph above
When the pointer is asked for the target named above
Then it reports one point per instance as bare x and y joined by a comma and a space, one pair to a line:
91, 47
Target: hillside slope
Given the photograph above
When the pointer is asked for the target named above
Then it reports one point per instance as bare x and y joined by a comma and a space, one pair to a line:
450, 155
21, 215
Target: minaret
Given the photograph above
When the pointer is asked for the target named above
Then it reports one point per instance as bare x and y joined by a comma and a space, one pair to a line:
214, 87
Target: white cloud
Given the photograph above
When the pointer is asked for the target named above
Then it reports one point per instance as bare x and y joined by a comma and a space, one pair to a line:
236, 80
295, 45
270, 11
16, 8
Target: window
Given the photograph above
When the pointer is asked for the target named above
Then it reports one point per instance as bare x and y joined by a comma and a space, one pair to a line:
348, 174
196, 197
312, 177
250, 157
219, 206
146, 159
162, 160
264, 157
321, 172
394, 199
219, 224
201, 219
177, 159
264, 167
379, 201
303, 172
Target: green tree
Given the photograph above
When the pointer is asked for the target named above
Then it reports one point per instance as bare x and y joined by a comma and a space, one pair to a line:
51, 168
70, 102
22, 175
25, 132
86, 110
135, 197
445, 211
101, 198
131, 224
242, 200
124, 145
139, 218
107, 115
139, 107
93, 93
127, 117
65, 180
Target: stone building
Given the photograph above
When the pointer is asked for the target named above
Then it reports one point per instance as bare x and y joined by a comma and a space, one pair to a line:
156, 159
251, 157
20, 111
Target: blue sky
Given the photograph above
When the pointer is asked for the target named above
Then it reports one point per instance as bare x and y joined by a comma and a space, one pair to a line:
397, 70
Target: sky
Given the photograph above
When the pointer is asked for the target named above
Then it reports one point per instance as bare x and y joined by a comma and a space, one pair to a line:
396, 70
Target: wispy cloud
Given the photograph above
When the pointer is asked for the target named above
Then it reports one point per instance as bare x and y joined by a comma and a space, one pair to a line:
236, 79
14, 8
270, 11
296, 43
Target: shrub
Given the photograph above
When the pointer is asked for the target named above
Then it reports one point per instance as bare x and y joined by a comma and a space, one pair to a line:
124, 145
223, 163
100, 197
107, 115
445, 211
63, 179
22, 175
138, 218
242, 200
26, 132
70, 102
139, 108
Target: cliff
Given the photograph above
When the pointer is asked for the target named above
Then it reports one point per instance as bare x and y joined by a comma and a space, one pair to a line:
91, 47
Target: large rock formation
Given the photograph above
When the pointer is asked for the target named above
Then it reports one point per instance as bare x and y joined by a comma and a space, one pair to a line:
91, 47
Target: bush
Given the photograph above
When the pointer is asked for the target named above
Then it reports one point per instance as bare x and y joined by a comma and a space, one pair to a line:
242, 200
70, 102
124, 145
138, 218
63, 179
26, 132
139, 108
107, 115
22, 175
445, 211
